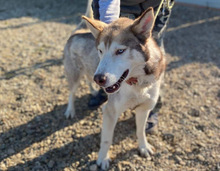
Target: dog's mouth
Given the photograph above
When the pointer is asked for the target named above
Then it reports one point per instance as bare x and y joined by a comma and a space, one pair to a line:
117, 85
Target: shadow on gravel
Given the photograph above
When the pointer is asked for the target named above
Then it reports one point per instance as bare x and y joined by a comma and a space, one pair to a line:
29, 70
193, 38
59, 19
76, 151
67, 11
64, 156
39, 128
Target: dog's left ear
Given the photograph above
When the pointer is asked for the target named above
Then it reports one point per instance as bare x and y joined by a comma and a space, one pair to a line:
143, 25
95, 26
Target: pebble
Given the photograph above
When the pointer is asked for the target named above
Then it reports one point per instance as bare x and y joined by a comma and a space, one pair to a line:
182, 163
200, 128
2, 146
2, 166
135, 156
201, 144
90, 123
11, 151
178, 159
127, 155
93, 167
178, 150
37, 167
168, 138
77, 163
63, 164
48, 141
149, 158
51, 163
78, 135
19, 155
82, 122
194, 112
200, 157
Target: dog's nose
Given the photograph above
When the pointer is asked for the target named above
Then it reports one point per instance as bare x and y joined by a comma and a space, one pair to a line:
100, 79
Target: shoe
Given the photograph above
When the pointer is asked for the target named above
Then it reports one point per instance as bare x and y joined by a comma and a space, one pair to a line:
152, 122
98, 100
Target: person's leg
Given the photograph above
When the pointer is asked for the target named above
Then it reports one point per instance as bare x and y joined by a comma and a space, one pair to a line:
97, 100
95, 8
162, 20
101, 97
158, 34
152, 121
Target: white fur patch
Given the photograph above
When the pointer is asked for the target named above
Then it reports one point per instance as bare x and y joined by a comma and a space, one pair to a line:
112, 65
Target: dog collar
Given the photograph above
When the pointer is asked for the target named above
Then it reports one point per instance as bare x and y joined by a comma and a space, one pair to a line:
132, 81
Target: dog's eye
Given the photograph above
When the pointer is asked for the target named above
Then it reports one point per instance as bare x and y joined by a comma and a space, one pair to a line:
119, 51
100, 51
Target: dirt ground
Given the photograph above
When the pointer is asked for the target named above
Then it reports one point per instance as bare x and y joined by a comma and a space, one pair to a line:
34, 134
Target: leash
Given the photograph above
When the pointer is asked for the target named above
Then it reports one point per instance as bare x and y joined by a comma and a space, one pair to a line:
166, 4
158, 10
170, 4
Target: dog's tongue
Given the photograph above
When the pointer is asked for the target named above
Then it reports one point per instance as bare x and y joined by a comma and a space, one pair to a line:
132, 81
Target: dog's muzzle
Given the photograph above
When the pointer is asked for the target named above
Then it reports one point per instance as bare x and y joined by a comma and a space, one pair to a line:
102, 79
116, 86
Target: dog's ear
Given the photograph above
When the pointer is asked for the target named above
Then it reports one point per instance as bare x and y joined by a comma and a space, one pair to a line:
95, 26
143, 25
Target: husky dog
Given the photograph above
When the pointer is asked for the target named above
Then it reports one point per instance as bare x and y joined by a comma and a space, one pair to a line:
127, 63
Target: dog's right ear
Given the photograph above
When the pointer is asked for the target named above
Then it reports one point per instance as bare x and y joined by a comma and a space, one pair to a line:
95, 26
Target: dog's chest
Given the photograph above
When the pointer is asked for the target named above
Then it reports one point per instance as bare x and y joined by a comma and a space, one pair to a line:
133, 96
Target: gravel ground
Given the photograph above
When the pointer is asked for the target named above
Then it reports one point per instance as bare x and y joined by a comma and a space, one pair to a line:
34, 135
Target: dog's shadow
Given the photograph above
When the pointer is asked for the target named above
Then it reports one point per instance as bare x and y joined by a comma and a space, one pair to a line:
38, 129
45, 125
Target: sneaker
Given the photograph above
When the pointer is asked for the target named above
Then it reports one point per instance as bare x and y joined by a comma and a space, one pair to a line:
152, 122
151, 125
98, 100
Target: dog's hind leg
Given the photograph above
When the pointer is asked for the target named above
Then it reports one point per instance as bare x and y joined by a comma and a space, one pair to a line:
70, 111
141, 117
73, 72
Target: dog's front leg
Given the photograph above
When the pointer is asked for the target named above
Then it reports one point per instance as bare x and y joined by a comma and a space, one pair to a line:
110, 117
141, 117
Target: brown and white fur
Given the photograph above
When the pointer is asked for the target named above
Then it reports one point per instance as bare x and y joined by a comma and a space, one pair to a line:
128, 64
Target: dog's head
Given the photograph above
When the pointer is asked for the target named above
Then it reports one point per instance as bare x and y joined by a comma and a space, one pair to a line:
121, 45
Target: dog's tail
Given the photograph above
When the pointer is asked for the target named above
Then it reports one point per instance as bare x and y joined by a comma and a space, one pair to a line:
89, 14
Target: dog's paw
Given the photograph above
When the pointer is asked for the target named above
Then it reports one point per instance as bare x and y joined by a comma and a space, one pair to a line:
69, 113
103, 163
147, 150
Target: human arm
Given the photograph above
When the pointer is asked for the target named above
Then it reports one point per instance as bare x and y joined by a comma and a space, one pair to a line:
109, 10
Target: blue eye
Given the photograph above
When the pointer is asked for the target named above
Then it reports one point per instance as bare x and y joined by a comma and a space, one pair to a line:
120, 51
